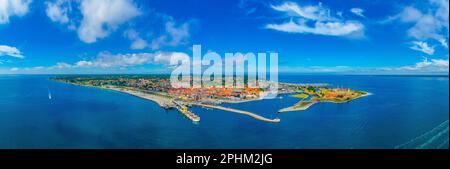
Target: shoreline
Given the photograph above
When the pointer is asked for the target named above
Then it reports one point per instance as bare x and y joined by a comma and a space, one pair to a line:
292, 108
160, 100
256, 116
154, 99
166, 102
328, 101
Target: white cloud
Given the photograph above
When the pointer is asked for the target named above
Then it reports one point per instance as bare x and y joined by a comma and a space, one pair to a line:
318, 69
137, 41
426, 66
432, 23
61, 65
58, 11
426, 28
14, 69
308, 12
358, 12
165, 57
320, 28
10, 8
175, 34
10, 51
139, 44
108, 60
314, 20
101, 17
440, 62
410, 14
38, 68
435, 65
423, 47
443, 42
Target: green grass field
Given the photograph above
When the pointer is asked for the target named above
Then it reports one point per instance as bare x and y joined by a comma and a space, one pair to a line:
300, 95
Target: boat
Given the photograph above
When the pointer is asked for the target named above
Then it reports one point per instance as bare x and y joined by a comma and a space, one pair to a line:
49, 95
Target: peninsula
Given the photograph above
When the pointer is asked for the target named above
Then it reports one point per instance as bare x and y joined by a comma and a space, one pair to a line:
313, 94
157, 88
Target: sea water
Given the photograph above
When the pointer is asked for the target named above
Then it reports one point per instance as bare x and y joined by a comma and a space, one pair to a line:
402, 112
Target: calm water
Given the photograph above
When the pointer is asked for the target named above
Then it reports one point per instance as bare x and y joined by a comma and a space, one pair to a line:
403, 112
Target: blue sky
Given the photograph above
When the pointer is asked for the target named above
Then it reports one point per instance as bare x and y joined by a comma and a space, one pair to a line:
137, 36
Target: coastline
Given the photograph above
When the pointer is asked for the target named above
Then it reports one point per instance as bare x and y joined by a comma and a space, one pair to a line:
293, 108
328, 101
256, 116
160, 100
305, 107
167, 102
157, 99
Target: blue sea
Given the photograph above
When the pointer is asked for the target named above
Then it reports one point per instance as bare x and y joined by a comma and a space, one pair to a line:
402, 112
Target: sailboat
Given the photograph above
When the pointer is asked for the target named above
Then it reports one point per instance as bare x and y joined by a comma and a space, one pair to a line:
49, 95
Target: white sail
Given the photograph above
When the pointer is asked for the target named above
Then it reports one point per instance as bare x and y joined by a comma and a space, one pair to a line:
49, 95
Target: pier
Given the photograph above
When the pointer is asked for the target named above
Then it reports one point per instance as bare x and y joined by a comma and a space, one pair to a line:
301, 105
276, 120
184, 109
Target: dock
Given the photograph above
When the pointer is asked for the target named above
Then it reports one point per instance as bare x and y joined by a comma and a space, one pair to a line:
276, 120
185, 111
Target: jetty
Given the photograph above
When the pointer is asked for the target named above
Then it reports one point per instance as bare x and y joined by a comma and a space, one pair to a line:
185, 111
162, 101
276, 120
302, 105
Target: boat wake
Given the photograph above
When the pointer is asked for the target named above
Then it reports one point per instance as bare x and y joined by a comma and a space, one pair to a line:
435, 138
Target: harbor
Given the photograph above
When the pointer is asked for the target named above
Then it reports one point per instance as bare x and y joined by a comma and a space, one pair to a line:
185, 111
183, 107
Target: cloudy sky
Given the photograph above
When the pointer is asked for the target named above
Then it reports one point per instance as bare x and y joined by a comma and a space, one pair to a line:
140, 36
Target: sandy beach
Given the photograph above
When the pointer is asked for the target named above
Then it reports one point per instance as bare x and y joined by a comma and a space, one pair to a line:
160, 100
